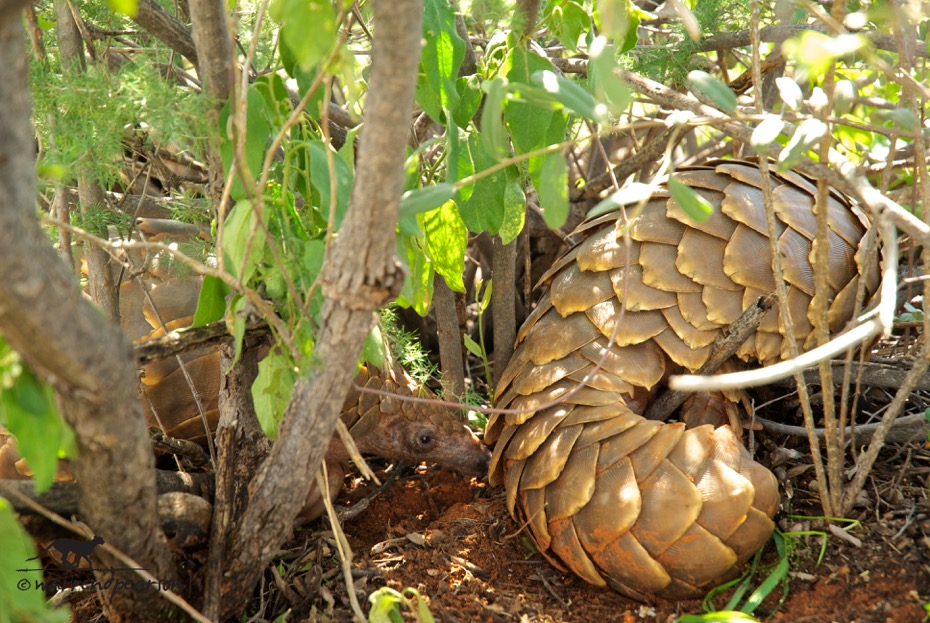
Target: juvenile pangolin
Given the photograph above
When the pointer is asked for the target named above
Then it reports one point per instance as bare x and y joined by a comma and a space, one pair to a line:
647, 508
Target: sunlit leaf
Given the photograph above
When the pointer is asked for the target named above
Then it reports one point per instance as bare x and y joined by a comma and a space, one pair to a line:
790, 92
446, 238
308, 29
493, 134
127, 7
805, 136
241, 250
211, 303
694, 204
766, 133
271, 391
710, 89
568, 93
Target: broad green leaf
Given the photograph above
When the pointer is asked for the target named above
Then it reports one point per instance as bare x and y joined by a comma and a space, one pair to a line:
694, 205
308, 29
469, 89
257, 131
374, 352
619, 20
900, 118
211, 304
28, 410
442, 54
239, 256
708, 88
815, 51
526, 122
236, 322
569, 94
844, 97
271, 391
766, 133
304, 78
419, 200
417, 291
568, 20
22, 596
494, 203
805, 136
790, 92
446, 239
493, 134
608, 88
127, 7
552, 188
473, 347
320, 178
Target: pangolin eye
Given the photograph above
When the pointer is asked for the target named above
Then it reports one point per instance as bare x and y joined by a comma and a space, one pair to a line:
425, 439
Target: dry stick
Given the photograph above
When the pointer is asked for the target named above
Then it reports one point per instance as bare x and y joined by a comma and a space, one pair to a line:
450, 341
905, 428
342, 544
878, 440
723, 348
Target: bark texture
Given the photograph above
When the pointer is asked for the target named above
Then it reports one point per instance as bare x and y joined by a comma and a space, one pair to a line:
67, 342
359, 275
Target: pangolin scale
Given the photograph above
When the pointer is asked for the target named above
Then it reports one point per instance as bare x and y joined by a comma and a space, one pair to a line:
648, 508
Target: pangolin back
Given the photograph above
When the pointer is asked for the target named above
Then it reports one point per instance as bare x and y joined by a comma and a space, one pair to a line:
644, 507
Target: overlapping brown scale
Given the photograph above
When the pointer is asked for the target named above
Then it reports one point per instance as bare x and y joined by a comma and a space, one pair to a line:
575, 487
694, 311
636, 327
638, 296
643, 365
652, 508
574, 290
698, 258
660, 270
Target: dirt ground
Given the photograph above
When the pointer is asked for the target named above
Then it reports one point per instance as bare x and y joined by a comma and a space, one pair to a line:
454, 542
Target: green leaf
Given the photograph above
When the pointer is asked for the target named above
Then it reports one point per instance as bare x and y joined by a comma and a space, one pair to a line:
442, 54
374, 352
304, 78
710, 89
619, 20
22, 596
308, 29
493, 134
271, 391
127, 7
766, 133
805, 136
417, 291
29, 412
446, 239
473, 347
257, 131
239, 258
608, 87
694, 205
421, 200
211, 304
320, 180
552, 188
900, 118
525, 120
569, 94
494, 203
568, 20
815, 51
469, 89
790, 92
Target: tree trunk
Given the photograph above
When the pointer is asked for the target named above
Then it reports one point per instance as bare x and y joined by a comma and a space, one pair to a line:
359, 275
44, 316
